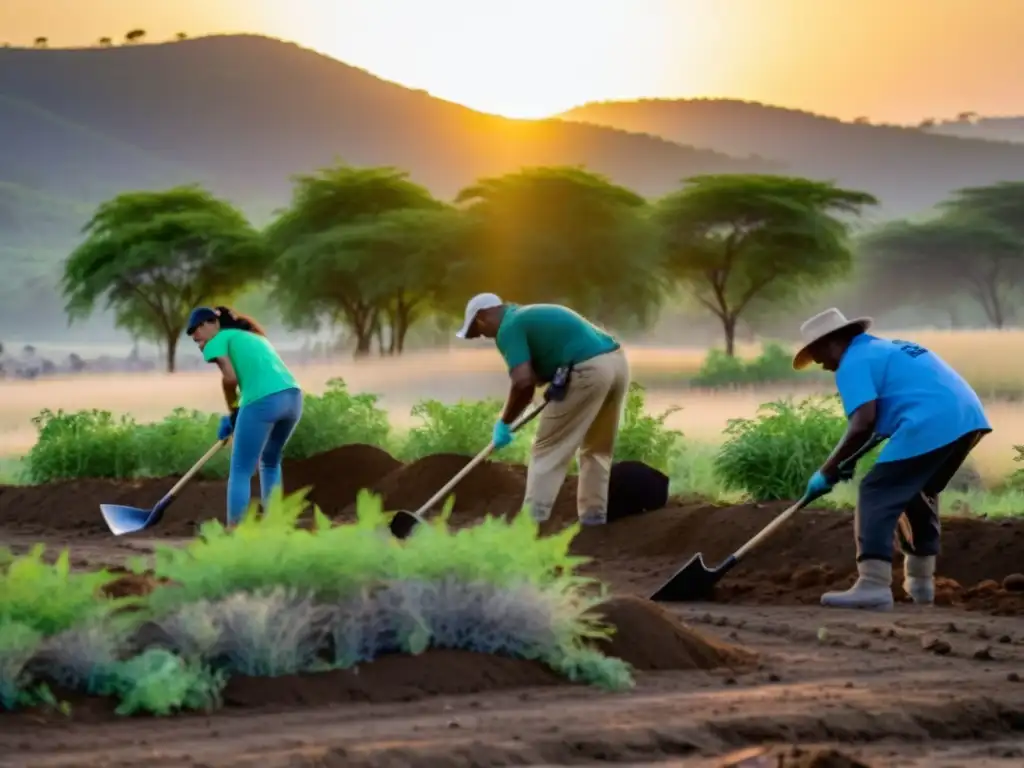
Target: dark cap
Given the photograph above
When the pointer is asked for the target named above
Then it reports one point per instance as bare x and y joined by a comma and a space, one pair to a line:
199, 316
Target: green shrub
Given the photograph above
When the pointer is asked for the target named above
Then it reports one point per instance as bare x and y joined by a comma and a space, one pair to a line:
85, 444
495, 587
773, 365
95, 444
463, 428
172, 446
643, 437
336, 418
773, 455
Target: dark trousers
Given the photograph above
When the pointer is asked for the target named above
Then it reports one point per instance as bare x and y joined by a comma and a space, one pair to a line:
909, 488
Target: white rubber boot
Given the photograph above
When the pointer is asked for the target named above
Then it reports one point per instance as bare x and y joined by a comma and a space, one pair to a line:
919, 578
872, 590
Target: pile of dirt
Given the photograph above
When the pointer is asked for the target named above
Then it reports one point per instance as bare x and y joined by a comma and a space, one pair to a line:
393, 678
651, 639
338, 475
490, 488
813, 552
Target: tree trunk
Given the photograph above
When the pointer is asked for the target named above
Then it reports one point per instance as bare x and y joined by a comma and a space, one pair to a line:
729, 327
172, 349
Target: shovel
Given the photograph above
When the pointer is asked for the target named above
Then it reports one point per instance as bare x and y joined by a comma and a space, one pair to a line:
695, 581
121, 519
403, 523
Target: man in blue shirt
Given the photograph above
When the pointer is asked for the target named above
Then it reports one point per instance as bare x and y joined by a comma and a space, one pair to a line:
536, 341
932, 419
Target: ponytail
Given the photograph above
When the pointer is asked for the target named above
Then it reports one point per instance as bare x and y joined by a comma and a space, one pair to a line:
231, 319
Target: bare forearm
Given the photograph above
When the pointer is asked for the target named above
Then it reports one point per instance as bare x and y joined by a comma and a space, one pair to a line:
230, 389
858, 432
519, 397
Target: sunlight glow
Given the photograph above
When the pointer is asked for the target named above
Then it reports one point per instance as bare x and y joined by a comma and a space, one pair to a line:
528, 59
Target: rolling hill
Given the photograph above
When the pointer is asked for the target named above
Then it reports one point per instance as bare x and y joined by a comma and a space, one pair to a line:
241, 114
907, 168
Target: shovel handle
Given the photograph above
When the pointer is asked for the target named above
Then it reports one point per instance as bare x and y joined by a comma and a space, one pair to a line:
480, 457
807, 498
196, 467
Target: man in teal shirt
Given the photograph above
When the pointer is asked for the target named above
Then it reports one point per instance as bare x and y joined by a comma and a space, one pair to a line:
536, 340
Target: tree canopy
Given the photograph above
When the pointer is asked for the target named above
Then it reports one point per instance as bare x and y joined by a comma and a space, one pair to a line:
739, 241
154, 256
563, 234
365, 247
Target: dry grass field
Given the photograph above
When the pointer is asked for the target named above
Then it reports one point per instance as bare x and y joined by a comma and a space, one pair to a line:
989, 359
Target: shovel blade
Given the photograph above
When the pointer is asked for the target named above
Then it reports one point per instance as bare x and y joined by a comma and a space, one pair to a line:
403, 524
121, 520
693, 582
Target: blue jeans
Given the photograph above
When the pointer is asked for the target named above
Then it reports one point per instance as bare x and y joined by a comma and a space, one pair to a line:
261, 432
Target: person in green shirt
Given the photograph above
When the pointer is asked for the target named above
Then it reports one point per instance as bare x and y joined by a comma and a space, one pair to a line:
536, 340
263, 397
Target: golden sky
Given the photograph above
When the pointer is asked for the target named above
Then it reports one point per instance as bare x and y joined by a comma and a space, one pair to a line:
890, 60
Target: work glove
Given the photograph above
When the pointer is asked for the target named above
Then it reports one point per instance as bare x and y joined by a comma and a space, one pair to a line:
819, 485
502, 435
227, 425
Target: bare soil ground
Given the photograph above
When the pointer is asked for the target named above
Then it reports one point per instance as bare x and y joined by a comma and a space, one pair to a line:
745, 680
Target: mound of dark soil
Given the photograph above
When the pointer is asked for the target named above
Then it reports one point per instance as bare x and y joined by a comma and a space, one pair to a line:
338, 475
650, 638
813, 552
393, 678
489, 488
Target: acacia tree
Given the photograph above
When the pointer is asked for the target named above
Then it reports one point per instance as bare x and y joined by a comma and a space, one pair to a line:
563, 234
154, 256
953, 253
743, 242
350, 248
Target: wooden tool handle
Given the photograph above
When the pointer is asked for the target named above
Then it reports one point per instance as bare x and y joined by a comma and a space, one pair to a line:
474, 462
196, 467
807, 499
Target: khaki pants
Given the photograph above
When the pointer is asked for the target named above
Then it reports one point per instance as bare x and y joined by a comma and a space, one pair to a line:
587, 420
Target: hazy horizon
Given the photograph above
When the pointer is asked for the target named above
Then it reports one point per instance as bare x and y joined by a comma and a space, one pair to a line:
891, 62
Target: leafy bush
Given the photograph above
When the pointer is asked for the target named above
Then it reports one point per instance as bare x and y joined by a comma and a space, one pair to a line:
772, 456
270, 598
496, 586
95, 444
646, 438
773, 365
463, 428
85, 444
336, 418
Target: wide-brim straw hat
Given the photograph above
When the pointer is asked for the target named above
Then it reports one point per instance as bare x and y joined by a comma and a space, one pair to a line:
821, 325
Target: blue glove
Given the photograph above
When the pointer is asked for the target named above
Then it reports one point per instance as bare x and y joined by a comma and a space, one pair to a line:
818, 485
502, 435
227, 426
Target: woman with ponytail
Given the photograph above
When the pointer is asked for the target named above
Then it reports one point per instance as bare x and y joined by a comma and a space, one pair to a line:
264, 400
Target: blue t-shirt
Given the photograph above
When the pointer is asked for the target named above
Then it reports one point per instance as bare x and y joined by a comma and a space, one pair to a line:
923, 404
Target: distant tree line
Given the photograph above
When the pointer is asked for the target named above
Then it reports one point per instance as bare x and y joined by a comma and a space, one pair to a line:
369, 250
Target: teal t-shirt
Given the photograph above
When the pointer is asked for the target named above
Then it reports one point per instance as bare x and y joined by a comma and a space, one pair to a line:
259, 368
549, 336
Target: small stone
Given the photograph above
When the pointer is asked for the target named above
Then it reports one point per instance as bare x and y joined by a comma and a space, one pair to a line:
730, 681
1013, 677
1005, 639
773, 678
822, 634
936, 645
848, 685
1014, 582
984, 653
864, 644
454, 724
952, 628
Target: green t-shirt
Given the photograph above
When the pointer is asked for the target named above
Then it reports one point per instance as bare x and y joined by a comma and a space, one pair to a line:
549, 336
259, 368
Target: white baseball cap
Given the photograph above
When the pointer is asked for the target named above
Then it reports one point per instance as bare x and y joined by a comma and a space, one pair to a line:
478, 303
